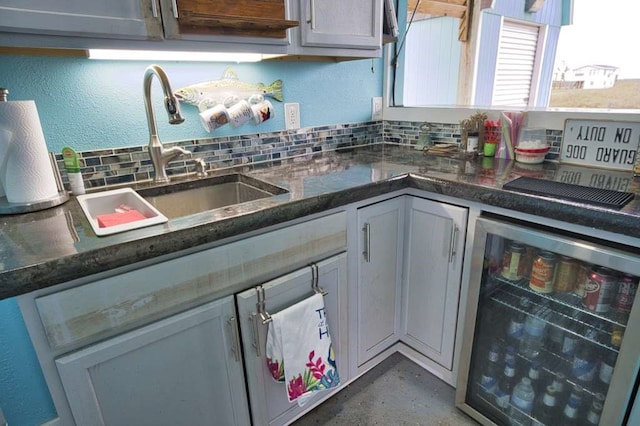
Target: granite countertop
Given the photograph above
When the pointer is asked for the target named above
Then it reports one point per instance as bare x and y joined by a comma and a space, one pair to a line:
52, 246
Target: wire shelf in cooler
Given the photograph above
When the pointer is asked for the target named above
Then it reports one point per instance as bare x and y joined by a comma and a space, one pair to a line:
565, 321
568, 300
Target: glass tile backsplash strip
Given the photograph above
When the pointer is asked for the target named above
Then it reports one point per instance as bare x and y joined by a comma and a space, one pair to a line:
109, 167
408, 132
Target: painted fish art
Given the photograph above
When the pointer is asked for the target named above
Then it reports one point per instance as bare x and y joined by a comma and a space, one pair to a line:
227, 91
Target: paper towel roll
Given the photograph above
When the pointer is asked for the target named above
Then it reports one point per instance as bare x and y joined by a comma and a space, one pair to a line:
25, 170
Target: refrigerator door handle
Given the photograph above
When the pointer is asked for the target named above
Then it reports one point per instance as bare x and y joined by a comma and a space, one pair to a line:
453, 244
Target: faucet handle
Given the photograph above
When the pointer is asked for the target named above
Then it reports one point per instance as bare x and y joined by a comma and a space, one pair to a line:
201, 167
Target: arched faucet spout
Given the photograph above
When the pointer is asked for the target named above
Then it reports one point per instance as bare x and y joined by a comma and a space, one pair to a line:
160, 157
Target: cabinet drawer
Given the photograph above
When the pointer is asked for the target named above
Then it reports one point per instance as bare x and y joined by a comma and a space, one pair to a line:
109, 306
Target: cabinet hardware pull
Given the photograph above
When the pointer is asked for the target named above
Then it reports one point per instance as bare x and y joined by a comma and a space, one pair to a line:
312, 6
367, 242
235, 346
452, 246
253, 319
154, 8
174, 3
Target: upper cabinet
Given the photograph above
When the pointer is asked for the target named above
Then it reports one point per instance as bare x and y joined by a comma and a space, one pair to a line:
246, 18
113, 19
348, 24
339, 28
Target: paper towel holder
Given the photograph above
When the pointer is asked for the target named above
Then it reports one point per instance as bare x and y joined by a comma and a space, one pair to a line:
7, 207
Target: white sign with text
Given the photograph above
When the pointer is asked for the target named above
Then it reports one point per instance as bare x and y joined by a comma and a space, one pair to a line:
599, 143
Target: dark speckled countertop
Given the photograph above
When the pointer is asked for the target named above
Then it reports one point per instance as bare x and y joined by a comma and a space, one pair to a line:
56, 245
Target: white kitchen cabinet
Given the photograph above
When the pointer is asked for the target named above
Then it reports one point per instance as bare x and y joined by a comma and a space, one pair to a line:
352, 24
186, 369
431, 284
137, 19
380, 250
269, 403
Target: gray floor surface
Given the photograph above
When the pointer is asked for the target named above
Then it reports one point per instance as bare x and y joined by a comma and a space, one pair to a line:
395, 392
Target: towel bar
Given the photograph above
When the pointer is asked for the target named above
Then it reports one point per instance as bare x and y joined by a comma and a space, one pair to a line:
262, 311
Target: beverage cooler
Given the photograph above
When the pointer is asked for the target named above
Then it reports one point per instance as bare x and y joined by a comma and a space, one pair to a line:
552, 335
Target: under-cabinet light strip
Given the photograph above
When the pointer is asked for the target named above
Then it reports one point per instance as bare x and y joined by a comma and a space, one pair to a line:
146, 55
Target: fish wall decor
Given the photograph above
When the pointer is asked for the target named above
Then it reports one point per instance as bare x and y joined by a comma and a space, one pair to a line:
227, 91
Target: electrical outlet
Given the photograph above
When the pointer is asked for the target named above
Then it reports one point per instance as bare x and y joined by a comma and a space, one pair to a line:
292, 116
376, 108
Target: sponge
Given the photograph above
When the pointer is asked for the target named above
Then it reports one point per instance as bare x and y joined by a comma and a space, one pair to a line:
112, 219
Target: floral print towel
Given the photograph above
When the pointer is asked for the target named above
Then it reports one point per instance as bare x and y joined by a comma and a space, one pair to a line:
299, 350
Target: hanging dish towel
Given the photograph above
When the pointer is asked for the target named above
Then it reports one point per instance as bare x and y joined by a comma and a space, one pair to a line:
299, 351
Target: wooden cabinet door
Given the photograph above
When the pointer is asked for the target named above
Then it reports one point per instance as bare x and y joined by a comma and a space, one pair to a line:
241, 21
431, 287
184, 370
137, 19
269, 403
380, 250
352, 24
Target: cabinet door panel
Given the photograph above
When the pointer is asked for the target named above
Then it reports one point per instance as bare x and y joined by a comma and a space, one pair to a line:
269, 403
432, 279
379, 272
341, 23
113, 19
181, 370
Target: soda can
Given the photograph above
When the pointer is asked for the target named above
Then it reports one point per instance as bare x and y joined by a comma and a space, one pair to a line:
583, 275
566, 275
627, 288
600, 290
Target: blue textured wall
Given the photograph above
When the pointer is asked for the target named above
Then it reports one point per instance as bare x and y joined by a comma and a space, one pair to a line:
90, 104
98, 104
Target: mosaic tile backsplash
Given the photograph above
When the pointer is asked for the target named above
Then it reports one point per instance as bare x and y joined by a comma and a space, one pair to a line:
119, 166
112, 167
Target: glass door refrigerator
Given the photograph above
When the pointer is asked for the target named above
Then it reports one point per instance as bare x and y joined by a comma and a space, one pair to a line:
551, 335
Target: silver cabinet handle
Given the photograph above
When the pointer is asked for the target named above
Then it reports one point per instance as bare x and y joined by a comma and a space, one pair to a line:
312, 7
253, 319
452, 246
235, 346
174, 3
367, 242
154, 8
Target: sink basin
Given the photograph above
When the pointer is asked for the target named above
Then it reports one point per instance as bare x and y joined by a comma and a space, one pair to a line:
186, 198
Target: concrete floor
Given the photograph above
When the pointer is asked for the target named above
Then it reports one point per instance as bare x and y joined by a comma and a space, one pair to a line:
395, 392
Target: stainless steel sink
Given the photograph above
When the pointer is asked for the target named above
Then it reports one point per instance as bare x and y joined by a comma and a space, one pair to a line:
186, 198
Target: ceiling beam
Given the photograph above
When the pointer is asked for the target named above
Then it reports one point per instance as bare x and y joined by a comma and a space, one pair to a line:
453, 8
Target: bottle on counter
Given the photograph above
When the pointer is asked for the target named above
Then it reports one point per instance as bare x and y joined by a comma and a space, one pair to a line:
546, 410
521, 405
505, 386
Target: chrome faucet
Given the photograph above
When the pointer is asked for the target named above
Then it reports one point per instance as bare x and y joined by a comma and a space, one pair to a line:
160, 156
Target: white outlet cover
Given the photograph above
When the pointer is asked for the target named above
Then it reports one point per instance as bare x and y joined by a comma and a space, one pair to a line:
376, 108
292, 115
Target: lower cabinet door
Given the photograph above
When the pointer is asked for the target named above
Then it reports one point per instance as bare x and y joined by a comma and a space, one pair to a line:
269, 402
432, 278
183, 370
381, 230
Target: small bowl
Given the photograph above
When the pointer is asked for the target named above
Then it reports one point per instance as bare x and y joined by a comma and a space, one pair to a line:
531, 156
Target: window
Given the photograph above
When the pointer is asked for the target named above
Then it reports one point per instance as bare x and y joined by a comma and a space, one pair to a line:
574, 47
